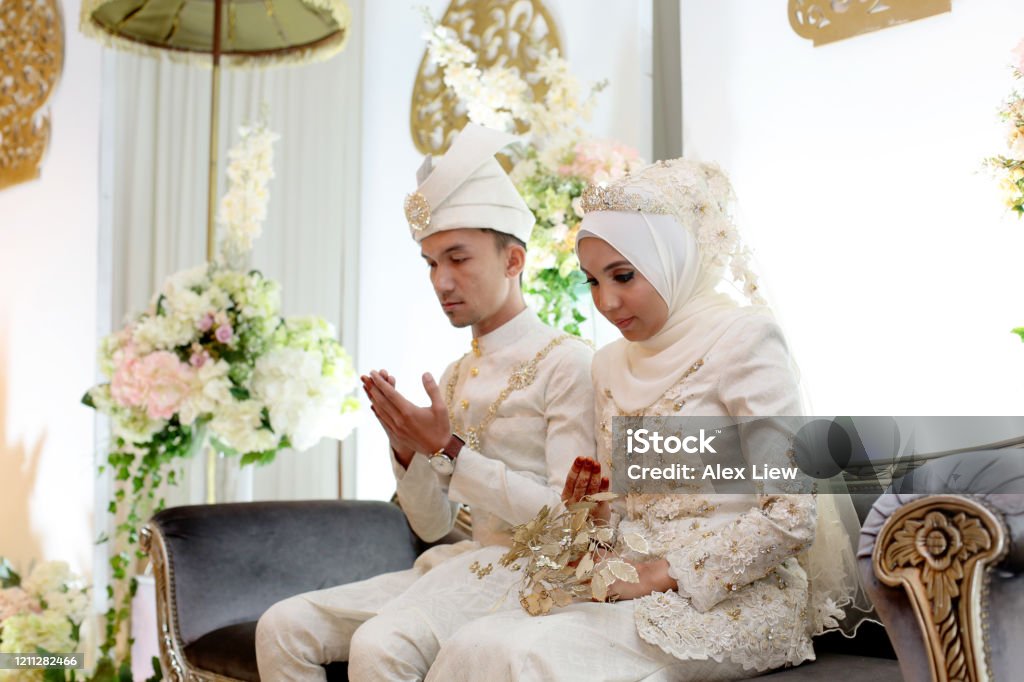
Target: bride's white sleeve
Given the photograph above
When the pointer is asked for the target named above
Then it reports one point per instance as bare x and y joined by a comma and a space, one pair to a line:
746, 550
759, 382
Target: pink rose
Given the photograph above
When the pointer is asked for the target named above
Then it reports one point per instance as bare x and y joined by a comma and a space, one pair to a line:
167, 382
224, 333
206, 323
599, 161
125, 386
14, 600
1018, 53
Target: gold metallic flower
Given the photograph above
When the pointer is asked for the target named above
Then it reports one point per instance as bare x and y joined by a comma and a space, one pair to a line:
417, 211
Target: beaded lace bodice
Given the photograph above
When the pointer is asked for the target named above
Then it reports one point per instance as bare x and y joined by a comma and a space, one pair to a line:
742, 594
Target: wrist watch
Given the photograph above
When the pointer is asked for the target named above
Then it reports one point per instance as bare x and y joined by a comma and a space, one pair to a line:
443, 461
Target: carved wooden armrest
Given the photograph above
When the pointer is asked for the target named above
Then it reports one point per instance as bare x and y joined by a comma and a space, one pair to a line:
939, 549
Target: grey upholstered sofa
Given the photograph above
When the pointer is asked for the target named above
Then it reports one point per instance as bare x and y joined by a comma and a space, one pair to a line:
944, 571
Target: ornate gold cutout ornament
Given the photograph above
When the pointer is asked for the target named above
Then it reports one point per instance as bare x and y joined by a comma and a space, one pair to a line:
939, 549
826, 21
31, 60
512, 33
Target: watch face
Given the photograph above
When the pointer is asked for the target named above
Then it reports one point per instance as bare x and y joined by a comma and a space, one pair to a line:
442, 464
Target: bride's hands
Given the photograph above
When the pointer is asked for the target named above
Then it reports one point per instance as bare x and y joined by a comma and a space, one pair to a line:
653, 577
584, 478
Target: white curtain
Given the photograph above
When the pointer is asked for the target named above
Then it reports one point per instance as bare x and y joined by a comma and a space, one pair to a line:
158, 188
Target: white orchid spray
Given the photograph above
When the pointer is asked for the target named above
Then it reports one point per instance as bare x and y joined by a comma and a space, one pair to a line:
243, 208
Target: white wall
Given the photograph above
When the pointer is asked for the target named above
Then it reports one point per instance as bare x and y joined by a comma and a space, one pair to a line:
48, 290
891, 262
401, 327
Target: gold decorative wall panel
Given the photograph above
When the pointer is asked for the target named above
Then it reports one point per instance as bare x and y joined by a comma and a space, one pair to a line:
512, 33
826, 21
31, 59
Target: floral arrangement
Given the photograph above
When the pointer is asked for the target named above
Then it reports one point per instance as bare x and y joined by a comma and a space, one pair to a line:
1009, 167
555, 165
569, 556
42, 614
212, 352
212, 360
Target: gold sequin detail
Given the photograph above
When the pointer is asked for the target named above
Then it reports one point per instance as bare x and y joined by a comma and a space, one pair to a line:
522, 376
417, 211
476, 348
475, 371
614, 198
465, 404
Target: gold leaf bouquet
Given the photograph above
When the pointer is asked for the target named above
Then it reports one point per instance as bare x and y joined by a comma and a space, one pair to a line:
570, 556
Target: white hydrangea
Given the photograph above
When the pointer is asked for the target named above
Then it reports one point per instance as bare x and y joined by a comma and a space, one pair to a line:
303, 404
163, 332
190, 278
211, 388
239, 425
72, 604
133, 425
47, 577
26, 632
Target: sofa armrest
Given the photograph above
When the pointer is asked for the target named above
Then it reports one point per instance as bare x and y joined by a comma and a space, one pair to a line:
224, 564
929, 561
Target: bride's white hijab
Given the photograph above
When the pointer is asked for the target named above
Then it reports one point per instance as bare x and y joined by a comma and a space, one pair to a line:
668, 255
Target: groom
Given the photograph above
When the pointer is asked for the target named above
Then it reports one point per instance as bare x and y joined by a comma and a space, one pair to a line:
502, 430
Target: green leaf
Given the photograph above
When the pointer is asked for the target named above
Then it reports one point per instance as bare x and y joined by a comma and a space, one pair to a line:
104, 671
158, 673
258, 458
239, 393
8, 576
222, 448
160, 305
88, 401
1019, 331
52, 674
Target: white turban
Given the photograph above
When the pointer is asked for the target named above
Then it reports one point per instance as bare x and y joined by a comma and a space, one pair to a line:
468, 188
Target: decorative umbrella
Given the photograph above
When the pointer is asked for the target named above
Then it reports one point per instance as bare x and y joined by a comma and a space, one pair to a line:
241, 32
205, 32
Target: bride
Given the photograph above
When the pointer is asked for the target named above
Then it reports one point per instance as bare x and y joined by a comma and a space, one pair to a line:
732, 584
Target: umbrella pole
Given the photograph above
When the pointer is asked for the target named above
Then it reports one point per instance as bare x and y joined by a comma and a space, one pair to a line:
211, 201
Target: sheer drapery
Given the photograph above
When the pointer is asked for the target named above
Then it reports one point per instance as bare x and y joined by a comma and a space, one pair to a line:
157, 189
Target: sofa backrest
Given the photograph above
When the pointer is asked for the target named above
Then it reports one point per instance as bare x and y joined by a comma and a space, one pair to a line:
228, 563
